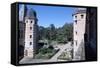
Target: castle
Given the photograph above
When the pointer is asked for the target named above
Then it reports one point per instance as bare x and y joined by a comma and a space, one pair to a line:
84, 33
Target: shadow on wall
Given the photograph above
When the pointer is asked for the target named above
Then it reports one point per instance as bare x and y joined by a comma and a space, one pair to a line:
20, 52
90, 53
91, 34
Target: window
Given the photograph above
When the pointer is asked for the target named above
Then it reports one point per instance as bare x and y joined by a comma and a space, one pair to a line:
76, 32
30, 36
82, 16
31, 21
75, 16
76, 21
76, 43
30, 28
30, 43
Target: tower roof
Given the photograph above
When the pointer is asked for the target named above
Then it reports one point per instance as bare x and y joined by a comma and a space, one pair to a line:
31, 14
79, 10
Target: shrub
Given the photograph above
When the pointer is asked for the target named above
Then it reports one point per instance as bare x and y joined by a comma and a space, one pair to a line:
45, 53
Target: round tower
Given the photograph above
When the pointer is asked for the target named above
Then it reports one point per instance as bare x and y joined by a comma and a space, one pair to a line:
79, 18
30, 33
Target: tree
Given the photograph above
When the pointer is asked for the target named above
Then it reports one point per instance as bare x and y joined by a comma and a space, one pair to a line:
61, 34
52, 32
41, 32
68, 30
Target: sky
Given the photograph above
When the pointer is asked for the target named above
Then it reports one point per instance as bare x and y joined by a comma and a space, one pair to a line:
52, 15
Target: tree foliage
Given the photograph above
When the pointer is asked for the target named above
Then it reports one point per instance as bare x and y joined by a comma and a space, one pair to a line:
61, 34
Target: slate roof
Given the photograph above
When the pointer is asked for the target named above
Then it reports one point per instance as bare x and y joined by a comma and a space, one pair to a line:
31, 14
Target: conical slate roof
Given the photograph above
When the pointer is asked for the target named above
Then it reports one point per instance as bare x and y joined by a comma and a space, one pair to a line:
79, 10
30, 14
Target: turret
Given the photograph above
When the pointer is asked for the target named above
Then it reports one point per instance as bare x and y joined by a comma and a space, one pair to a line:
30, 33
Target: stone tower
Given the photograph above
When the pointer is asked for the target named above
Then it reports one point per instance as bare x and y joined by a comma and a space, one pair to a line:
79, 18
30, 33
